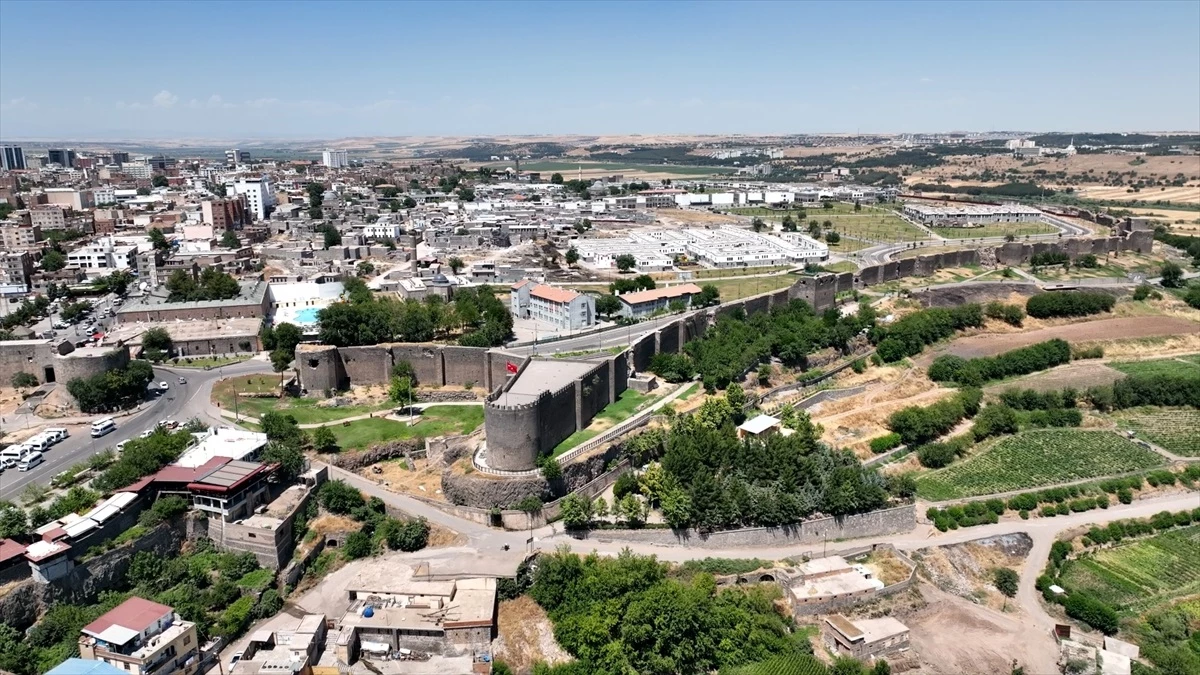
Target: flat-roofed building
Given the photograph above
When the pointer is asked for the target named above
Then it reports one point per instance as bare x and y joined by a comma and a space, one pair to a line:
559, 307
142, 638
292, 651
864, 638
644, 303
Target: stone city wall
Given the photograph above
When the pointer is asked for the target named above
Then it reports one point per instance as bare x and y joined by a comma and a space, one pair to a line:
877, 523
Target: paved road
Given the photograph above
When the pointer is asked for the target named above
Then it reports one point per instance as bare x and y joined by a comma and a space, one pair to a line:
180, 403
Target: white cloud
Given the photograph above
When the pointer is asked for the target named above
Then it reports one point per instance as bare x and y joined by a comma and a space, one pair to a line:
16, 104
165, 99
926, 80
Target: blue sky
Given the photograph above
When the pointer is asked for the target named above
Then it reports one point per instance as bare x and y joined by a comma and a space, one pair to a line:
325, 70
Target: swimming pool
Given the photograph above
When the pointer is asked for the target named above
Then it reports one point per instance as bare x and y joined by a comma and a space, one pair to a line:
307, 316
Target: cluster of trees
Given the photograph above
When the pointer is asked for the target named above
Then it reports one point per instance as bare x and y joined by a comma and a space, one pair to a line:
1187, 243
281, 341
379, 531
212, 285
1012, 315
1018, 189
287, 442
736, 344
1173, 389
709, 479
73, 311
917, 425
330, 235
215, 590
141, 457
27, 311
117, 282
367, 320
626, 614
642, 282
112, 389
975, 372
157, 344
908, 336
1069, 303
1046, 258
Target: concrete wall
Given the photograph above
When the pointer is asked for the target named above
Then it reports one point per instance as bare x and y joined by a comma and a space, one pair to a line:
877, 523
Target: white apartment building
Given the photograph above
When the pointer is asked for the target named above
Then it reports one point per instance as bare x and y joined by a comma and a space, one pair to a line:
723, 247
140, 170
381, 230
259, 198
335, 159
105, 194
558, 307
103, 257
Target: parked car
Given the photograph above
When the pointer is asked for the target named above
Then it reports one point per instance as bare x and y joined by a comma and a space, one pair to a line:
234, 659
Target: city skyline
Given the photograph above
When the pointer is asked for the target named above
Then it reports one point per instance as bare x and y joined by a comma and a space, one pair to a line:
333, 71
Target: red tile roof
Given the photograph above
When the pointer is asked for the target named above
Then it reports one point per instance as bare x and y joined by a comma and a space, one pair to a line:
520, 284
553, 294
669, 292
10, 549
136, 614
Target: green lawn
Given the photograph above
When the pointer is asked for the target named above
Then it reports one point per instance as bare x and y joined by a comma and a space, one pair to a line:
1137, 576
706, 273
873, 223
733, 289
628, 403
442, 420
210, 361
1167, 366
842, 266
995, 230
1034, 459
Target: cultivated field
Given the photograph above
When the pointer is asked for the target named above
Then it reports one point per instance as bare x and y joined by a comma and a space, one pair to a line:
1102, 329
1171, 366
994, 230
1136, 577
1175, 430
1035, 459
1119, 193
1079, 376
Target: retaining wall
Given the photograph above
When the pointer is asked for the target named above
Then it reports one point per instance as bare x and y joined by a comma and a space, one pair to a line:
875, 524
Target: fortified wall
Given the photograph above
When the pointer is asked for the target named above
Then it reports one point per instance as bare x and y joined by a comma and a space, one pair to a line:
51, 361
325, 368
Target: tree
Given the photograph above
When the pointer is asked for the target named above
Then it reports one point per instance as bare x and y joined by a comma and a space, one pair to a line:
1172, 275
409, 202
159, 181
24, 380
736, 398
576, 512
281, 360
53, 261
159, 240
143, 191
288, 456
324, 440
626, 262
572, 256
551, 469
632, 510
709, 295
608, 305
833, 237
401, 390
230, 239
157, 339
365, 269
757, 224
1006, 581
280, 427
338, 496
455, 264
13, 521
814, 229
827, 205
358, 545
466, 194
556, 178
331, 236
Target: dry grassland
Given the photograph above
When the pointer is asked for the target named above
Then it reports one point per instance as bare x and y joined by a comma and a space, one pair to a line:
526, 635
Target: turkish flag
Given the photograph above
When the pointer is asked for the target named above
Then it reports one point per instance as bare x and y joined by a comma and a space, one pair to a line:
510, 367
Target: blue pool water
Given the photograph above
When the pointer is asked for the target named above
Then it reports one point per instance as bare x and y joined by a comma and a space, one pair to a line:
308, 315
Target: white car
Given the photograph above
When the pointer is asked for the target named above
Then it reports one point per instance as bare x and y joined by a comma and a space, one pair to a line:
182, 381
234, 659
121, 446
146, 434
163, 385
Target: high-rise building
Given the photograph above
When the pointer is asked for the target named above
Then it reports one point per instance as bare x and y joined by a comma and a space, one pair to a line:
257, 191
61, 156
335, 159
234, 157
161, 162
225, 214
120, 158
12, 158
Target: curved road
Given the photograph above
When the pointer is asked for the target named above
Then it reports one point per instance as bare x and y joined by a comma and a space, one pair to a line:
179, 403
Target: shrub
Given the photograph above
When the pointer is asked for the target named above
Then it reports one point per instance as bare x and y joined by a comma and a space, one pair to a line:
936, 455
1093, 612
1068, 303
884, 443
1010, 314
337, 496
358, 545
1015, 362
1125, 496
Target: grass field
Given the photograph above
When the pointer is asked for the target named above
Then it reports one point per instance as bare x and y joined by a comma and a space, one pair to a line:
438, 420
1137, 576
733, 289
305, 410
1169, 366
995, 230
210, 362
616, 167
1035, 459
706, 273
1176, 430
842, 266
628, 403
873, 223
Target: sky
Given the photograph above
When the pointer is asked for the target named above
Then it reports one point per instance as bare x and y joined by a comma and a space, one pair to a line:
315, 70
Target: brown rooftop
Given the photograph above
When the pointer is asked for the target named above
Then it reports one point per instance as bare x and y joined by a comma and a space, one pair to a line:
659, 294
553, 294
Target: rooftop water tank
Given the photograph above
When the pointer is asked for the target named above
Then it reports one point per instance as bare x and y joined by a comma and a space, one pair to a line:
368, 611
